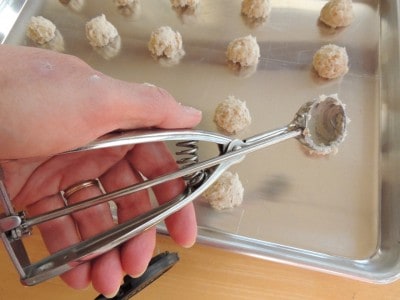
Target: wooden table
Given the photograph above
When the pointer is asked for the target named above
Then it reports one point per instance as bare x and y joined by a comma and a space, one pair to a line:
208, 273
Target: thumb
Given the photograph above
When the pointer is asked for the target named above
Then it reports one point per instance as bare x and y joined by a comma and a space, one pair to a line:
135, 105
53, 102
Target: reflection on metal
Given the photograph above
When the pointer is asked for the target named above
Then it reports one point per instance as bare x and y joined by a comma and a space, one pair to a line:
9, 12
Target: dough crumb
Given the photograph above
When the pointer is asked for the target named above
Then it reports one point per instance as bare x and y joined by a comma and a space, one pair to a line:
337, 13
256, 9
41, 30
232, 115
166, 42
244, 51
331, 61
192, 4
100, 32
227, 192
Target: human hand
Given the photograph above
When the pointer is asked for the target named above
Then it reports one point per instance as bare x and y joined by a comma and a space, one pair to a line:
53, 102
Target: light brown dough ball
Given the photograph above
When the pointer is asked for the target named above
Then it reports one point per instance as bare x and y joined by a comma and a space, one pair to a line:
256, 9
100, 32
232, 115
337, 13
122, 3
331, 61
41, 30
166, 42
185, 3
244, 51
227, 192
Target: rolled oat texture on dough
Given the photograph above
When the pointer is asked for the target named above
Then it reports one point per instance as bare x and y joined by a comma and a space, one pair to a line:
337, 13
232, 115
331, 61
41, 30
244, 51
256, 9
166, 42
185, 3
226, 192
122, 3
100, 32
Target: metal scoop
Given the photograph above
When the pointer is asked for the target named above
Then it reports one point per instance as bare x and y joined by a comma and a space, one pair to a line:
319, 125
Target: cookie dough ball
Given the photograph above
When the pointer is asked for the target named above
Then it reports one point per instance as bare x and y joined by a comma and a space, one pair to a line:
166, 42
244, 51
337, 13
40, 30
100, 32
185, 3
232, 115
256, 9
122, 3
331, 61
226, 192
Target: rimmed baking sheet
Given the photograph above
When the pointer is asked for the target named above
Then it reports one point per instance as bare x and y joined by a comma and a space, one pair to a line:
334, 214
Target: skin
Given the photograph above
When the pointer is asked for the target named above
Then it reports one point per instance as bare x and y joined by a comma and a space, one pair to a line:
51, 103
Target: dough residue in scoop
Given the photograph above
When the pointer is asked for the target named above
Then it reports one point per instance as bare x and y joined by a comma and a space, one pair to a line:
325, 125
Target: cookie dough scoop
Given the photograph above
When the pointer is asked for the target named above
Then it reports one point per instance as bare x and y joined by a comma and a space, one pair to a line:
320, 125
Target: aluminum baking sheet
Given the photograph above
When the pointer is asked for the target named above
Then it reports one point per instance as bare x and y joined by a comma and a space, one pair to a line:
336, 214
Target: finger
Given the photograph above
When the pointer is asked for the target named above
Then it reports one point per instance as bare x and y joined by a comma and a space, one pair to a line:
60, 172
106, 272
137, 252
59, 234
141, 105
153, 160
57, 174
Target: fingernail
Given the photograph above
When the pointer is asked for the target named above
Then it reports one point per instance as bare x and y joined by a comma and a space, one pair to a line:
149, 84
188, 245
111, 295
191, 110
137, 275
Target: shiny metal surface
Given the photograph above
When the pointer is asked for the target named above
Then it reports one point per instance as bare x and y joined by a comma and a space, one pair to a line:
66, 259
9, 13
339, 214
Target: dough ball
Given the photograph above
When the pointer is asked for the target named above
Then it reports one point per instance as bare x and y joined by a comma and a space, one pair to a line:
232, 115
122, 3
166, 42
244, 51
337, 13
40, 30
100, 32
226, 192
75, 5
185, 3
256, 9
331, 61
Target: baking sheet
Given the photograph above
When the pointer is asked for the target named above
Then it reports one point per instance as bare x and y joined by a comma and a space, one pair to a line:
320, 213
